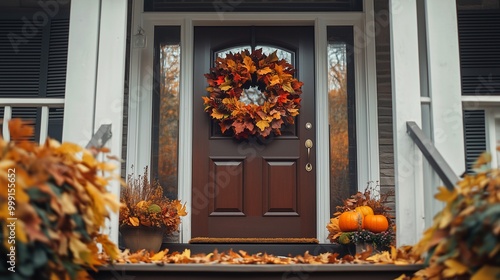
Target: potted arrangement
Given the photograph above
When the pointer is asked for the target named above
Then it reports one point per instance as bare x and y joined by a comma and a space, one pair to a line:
146, 215
364, 220
53, 207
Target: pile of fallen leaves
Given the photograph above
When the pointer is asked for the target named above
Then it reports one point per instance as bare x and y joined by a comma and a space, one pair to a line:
401, 256
464, 240
55, 204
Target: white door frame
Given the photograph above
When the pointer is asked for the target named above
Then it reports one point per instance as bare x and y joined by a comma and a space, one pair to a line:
141, 77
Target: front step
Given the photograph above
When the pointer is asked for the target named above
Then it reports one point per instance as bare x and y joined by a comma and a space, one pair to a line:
251, 271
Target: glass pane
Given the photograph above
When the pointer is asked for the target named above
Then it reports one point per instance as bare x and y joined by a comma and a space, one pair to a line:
253, 95
56, 123
223, 53
338, 123
282, 53
267, 50
168, 119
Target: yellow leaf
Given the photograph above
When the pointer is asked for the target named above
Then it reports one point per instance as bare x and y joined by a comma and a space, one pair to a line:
108, 246
159, 256
264, 71
231, 63
394, 253
288, 87
134, 221
80, 251
186, 253
333, 226
216, 114
445, 218
483, 159
249, 64
67, 203
445, 195
262, 124
69, 148
454, 268
225, 87
487, 273
181, 209
274, 80
293, 112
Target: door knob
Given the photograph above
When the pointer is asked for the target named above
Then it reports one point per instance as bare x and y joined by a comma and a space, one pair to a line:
309, 145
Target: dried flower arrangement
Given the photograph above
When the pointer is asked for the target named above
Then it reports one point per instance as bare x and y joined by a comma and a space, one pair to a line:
53, 206
364, 218
143, 204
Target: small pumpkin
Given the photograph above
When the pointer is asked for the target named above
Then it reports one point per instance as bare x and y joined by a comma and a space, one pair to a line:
376, 223
350, 221
364, 210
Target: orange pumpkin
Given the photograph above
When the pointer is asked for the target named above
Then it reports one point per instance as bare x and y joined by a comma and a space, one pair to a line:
350, 221
364, 210
376, 223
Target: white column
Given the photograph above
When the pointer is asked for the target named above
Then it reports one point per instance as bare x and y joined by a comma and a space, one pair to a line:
95, 76
81, 71
110, 83
444, 81
406, 107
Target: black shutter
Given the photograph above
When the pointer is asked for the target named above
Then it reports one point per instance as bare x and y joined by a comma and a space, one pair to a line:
475, 136
58, 57
479, 39
33, 64
20, 59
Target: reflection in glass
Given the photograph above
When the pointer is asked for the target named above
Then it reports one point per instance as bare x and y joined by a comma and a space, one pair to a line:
267, 50
338, 122
253, 95
169, 118
281, 53
223, 53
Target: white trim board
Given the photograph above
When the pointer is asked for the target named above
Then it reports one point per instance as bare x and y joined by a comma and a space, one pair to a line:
139, 150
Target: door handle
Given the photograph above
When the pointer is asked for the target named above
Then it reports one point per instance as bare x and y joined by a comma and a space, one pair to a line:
309, 145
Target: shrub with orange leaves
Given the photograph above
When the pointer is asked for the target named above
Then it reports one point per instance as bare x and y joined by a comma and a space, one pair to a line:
143, 204
464, 239
53, 205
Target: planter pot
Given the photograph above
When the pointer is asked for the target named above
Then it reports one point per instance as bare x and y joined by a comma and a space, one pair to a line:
141, 237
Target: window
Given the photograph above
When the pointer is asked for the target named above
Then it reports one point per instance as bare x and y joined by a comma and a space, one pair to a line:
33, 57
166, 109
343, 171
481, 133
479, 41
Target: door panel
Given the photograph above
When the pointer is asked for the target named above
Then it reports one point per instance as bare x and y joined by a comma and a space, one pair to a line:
254, 188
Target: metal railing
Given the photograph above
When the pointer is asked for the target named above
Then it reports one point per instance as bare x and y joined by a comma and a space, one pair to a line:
100, 138
435, 159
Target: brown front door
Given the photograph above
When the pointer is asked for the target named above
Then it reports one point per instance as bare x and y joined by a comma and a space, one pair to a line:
254, 188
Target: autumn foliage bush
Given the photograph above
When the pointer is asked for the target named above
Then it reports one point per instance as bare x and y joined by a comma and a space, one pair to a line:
464, 239
60, 204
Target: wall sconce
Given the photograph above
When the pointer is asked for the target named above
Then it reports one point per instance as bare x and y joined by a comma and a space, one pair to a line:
140, 39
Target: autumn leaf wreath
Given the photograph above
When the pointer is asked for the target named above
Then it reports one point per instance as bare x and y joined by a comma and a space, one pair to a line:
241, 74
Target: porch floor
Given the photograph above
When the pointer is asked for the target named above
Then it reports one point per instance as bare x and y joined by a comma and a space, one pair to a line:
264, 272
270, 271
